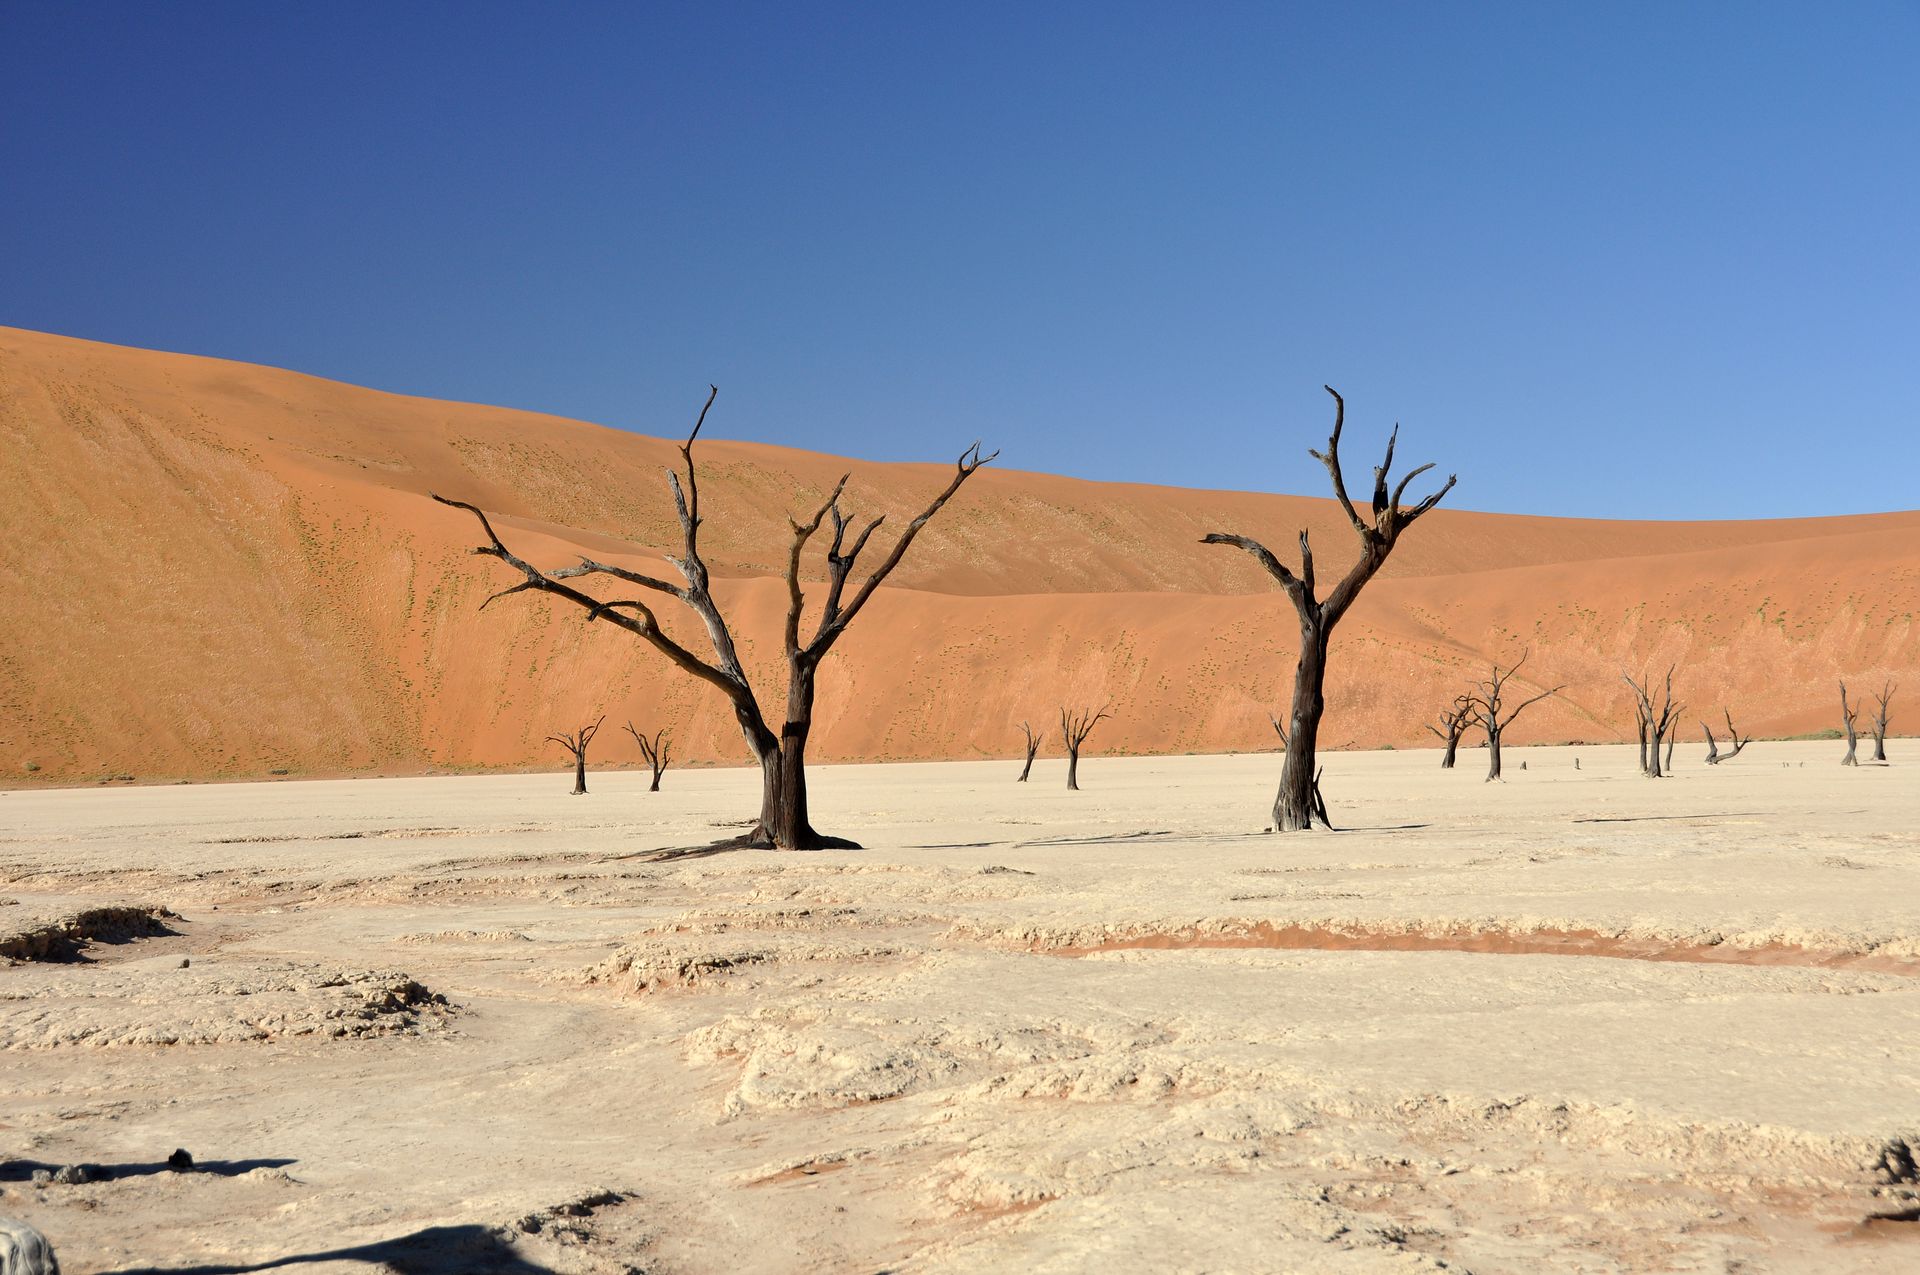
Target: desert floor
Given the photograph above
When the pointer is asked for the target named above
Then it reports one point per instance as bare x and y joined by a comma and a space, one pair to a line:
1577, 1021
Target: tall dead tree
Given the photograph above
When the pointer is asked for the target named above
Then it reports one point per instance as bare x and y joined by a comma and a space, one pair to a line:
1492, 714
783, 823
1033, 746
1454, 721
1714, 755
1074, 729
1659, 721
576, 743
1847, 714
1294, 808
1878, 722
655, 750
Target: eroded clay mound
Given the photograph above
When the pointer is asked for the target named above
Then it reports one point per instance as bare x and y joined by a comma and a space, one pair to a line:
156, 1002
60, 936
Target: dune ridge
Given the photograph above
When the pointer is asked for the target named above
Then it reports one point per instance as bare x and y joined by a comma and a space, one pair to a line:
221, 570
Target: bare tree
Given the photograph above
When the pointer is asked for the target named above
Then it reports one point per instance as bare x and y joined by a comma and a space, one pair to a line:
655, 750
1074, 729
1294, 807
576, 743
1493, 715
1848, 713
1659, 719
1033, 746
783, 823
1878, 722
1714, 755
1455, 720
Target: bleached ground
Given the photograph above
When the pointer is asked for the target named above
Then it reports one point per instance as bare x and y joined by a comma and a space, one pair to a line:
1629, 1026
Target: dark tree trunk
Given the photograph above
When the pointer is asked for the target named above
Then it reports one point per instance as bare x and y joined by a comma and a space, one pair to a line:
655, 750
1074, 729
1489, 709
1294, 806
1033, 746
1457, 717
1848, 713
1878, 722
785, 822
1714, 755
576, 743
1658, 723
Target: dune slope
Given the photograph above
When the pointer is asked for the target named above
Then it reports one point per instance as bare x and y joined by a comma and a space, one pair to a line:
215, 569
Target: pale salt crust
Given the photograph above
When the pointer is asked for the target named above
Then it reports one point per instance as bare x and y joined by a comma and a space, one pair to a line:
1025, 1029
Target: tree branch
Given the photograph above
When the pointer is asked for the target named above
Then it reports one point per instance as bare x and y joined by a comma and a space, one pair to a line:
969, 463
1331, 459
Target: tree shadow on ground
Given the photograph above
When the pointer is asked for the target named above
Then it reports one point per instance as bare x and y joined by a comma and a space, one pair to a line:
437, 1250
23, 1170
1722, 814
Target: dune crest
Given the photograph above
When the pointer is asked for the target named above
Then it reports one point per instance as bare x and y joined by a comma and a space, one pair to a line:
216, 569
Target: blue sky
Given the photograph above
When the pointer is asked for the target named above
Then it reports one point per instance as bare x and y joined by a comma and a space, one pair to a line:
1621, 260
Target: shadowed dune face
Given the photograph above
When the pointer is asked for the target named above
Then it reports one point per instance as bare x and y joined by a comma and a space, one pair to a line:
217, 569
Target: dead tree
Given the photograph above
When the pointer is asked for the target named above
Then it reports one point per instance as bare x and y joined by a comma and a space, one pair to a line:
1294, 807
1714, 755
1878, 722
1033, 746
1453, 724
1848, 713
656, 752
576, 743
783, 823
1492, 714
1074, 729
1659, 721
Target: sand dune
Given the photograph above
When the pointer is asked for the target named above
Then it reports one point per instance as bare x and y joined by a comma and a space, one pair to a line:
215, 569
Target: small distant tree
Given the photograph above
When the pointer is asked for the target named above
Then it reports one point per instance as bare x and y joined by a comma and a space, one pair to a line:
1659, 720
576, 743
1878, 722
1454, 721
1074, 729
655, 750
1493, 714
1294, 808
1033, 746
1847, 714
1714, 755
784, 822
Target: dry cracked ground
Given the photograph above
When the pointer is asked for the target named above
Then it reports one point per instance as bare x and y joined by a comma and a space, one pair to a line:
1578, 1021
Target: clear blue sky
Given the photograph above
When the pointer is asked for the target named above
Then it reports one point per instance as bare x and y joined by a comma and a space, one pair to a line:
1636, 260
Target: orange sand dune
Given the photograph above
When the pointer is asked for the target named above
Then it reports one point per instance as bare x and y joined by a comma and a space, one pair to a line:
216, 569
